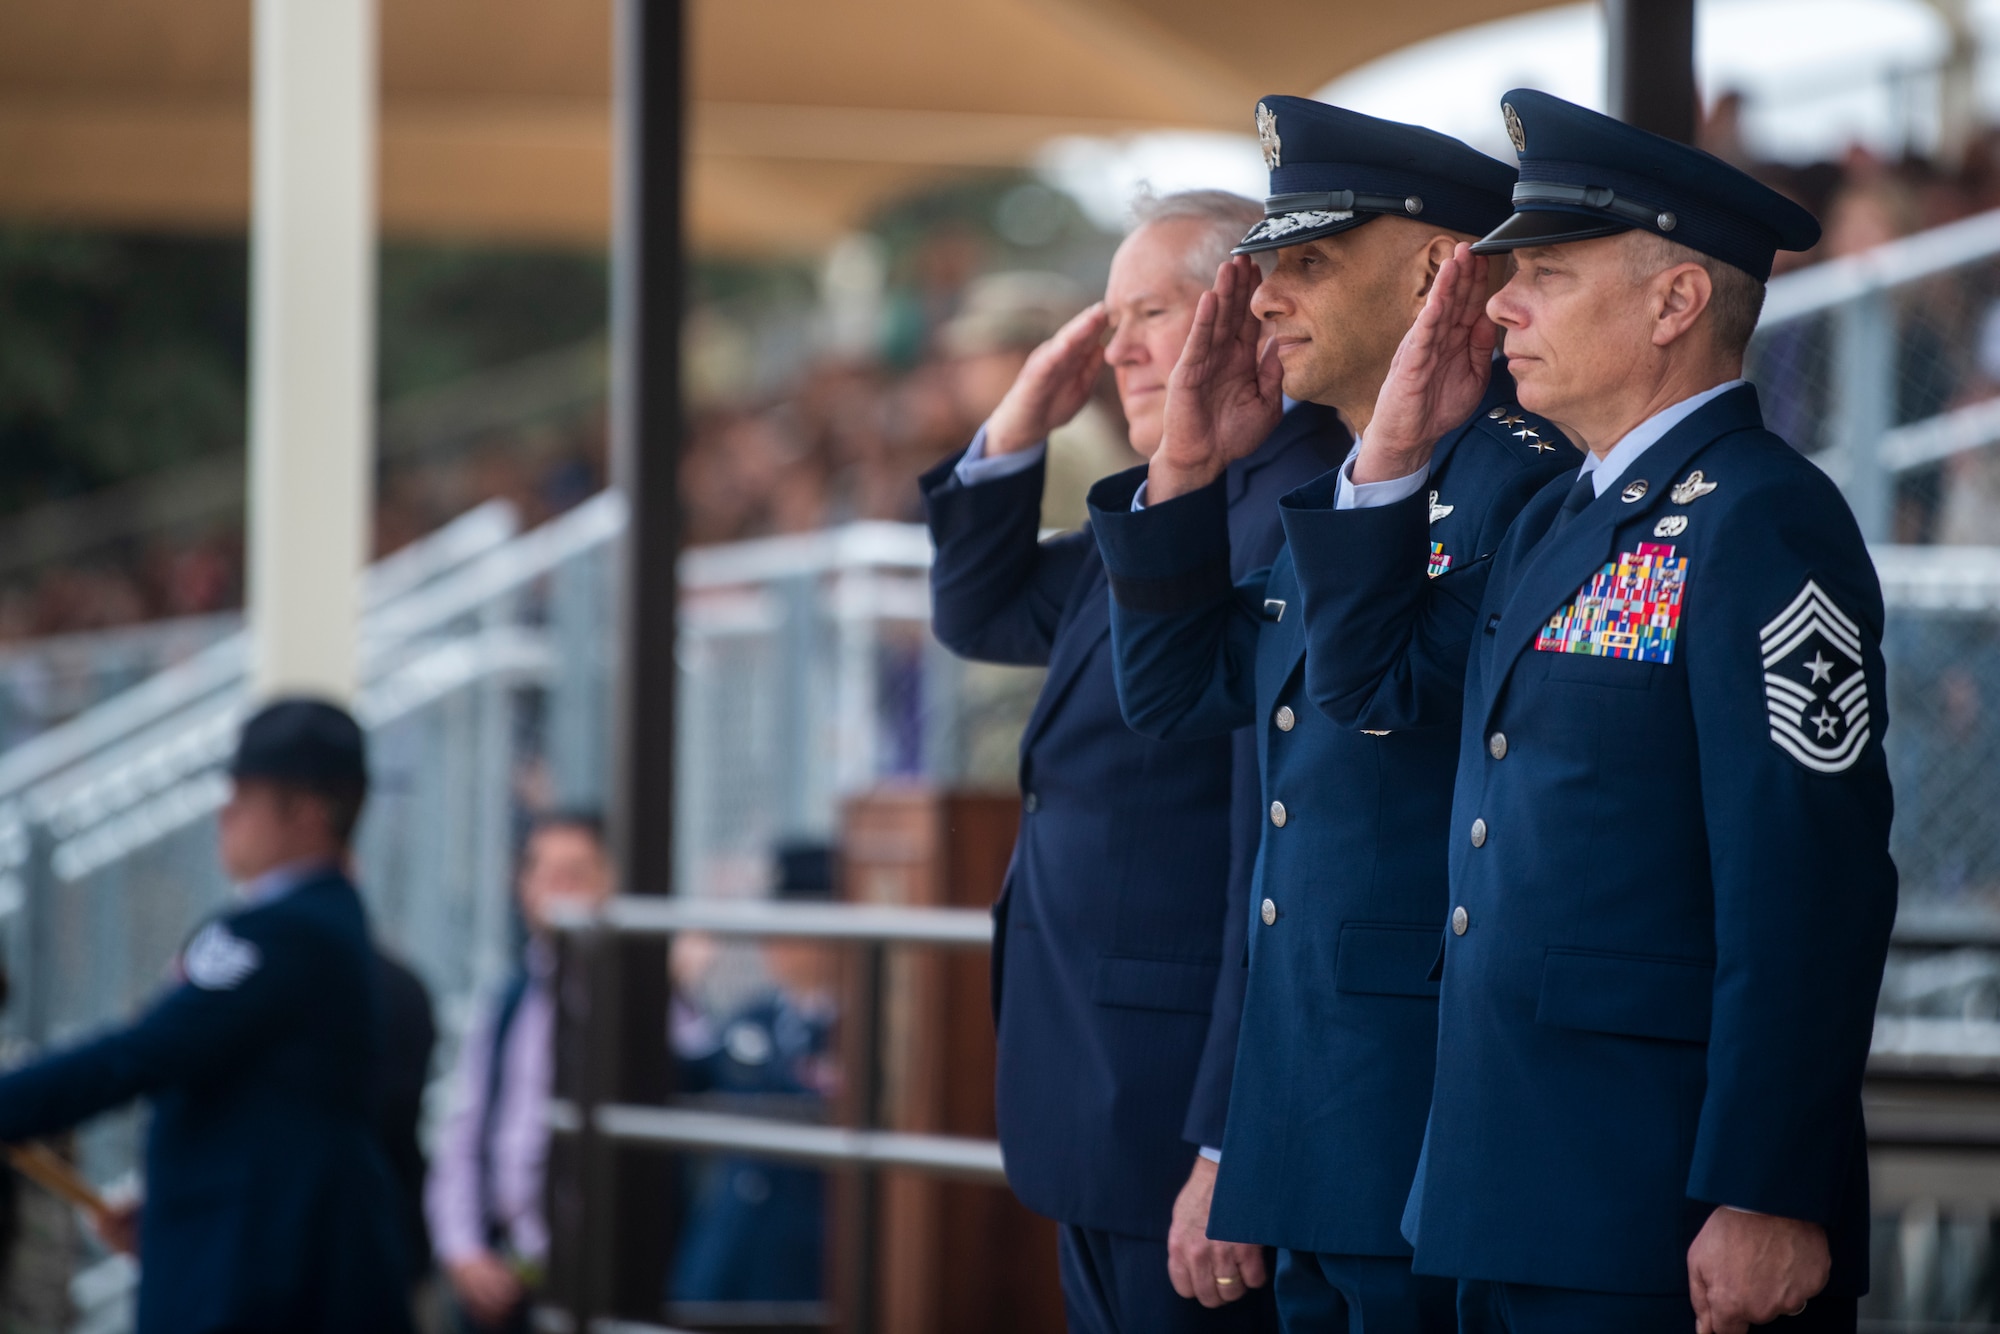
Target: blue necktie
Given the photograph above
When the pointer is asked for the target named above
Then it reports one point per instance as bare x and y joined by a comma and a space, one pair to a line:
1579, 495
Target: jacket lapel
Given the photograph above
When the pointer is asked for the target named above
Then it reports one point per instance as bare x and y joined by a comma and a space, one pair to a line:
1085, 621
1554, 569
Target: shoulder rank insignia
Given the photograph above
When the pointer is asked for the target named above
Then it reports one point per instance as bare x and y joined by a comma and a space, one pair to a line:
1690, 488
1815, 687
1438, 562
1512, 422
218, 959
1438, 511
1629, 609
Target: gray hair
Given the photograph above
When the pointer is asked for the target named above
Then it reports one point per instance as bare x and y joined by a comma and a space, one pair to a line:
1227, 217
1735, 298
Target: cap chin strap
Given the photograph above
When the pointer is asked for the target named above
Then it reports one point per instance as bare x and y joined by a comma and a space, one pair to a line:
1599, 197
1343, 201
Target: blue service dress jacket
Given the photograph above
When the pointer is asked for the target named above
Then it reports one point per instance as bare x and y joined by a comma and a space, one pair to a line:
1334, 1057
269, 1202
1670, 879
1116, 977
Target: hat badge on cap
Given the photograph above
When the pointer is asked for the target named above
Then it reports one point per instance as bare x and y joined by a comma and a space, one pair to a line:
1516, 134
1267, 136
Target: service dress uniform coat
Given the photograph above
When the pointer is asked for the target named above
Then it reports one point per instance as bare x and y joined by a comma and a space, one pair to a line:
1334, 1058
1671, 891
1115, 991
270, 1206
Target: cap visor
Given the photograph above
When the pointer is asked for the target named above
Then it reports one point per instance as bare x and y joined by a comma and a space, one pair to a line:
1283, 229
1544, 228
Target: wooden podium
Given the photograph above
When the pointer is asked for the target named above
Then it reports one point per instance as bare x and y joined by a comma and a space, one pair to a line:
950, 1257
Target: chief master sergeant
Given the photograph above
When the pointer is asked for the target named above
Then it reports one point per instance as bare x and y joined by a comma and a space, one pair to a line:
270, 1207
1670, 875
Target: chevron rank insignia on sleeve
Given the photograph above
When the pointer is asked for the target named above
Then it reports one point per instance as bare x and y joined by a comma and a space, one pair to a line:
1815, 687
218, 959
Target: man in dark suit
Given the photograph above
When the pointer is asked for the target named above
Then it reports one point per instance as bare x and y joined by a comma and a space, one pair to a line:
1334, 1061
270, 1207
1670, 878
1117, 964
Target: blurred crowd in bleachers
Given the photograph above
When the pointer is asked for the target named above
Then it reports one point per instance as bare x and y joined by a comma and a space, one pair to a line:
816, 397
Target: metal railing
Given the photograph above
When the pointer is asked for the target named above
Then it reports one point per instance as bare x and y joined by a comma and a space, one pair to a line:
863, 1146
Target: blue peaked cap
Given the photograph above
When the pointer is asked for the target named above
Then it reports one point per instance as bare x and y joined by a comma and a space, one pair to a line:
1333, 169
1584, 174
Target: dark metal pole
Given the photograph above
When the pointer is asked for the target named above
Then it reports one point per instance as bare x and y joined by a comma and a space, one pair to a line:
620, 1250
1649, 66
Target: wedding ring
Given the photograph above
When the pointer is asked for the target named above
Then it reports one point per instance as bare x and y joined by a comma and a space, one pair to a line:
1229, 1282
1802, 1308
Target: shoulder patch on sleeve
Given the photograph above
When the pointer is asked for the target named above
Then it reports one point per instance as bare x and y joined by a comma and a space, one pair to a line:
218, 959
1815, 686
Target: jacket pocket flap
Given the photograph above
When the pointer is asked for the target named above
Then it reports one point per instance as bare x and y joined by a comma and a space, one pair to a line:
1154, 984
1627, 994
1387, 960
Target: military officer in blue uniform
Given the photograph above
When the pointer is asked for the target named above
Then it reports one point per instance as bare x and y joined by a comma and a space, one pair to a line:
1671, 890
1116, 982
1333, 1070
270, 1207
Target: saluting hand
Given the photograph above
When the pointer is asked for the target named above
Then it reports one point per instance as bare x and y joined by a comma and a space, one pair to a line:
1749, 1269
1053, 385
1438, 375
1223, 398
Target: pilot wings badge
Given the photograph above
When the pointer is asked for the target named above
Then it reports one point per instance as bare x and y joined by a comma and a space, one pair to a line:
1267, 135
1439, 511
218, 959
1815, 686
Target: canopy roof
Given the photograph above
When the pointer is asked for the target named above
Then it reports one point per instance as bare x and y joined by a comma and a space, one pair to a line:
806, 114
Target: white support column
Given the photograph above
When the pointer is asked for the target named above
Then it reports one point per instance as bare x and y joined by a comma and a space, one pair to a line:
312, 340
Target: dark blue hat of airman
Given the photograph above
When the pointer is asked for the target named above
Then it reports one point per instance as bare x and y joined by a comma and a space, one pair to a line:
1584, 174
307, 742
1333, 169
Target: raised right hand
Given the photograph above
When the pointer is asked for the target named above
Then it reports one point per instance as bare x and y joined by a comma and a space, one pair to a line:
1438, 376
1223, 398
1052, 387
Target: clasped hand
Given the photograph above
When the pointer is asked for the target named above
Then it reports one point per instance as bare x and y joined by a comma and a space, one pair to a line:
1749, 1269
